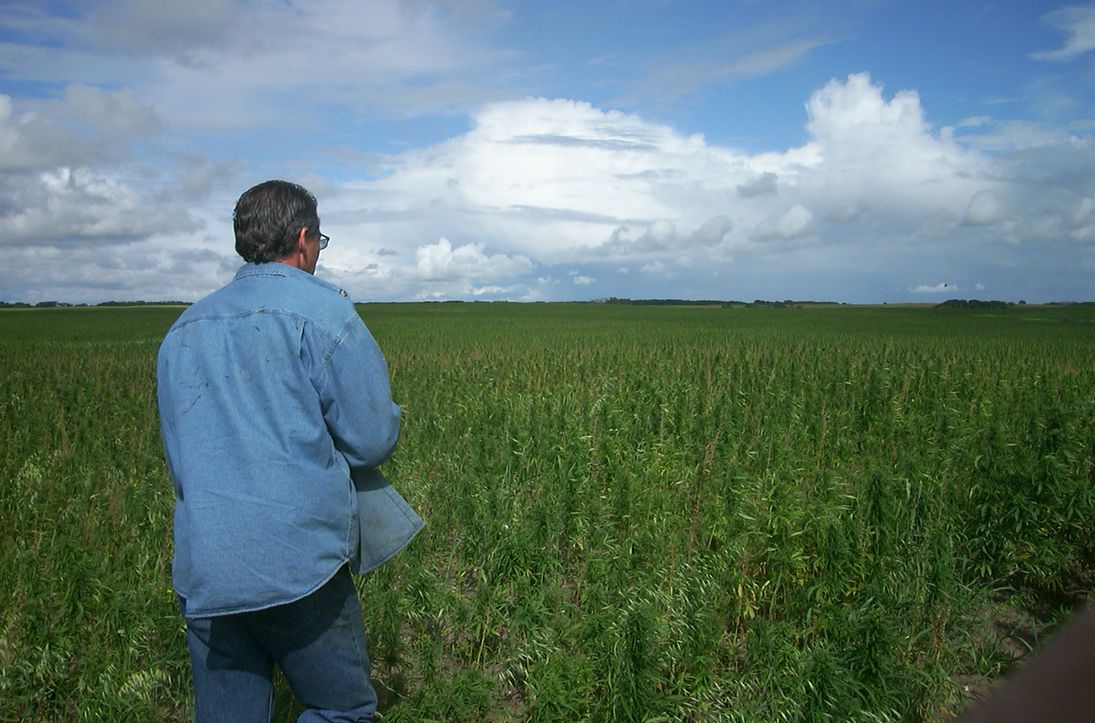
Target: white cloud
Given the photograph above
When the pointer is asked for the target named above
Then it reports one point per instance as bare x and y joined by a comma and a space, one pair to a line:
845, 213
74, 206
1014, 135
161, 270
793, 223
555, 178
561, 182
976, 121
762, 185
940, 288
714, 231
883, 154
444, 270
675, 77
118, 114
184, 32
1078, 23
269, 64
441, 262
85, 125
985, 207
854, 116
546, 185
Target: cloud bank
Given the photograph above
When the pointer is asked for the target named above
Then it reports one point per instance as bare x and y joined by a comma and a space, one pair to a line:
559, 182
118, 181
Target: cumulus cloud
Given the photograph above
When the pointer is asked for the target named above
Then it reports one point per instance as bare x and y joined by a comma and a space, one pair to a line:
388, 57
197, 177
853, 116
763, 185
1083, 220
599, 171
75, 206
552, 200
558, 181
845, 213
117, 114
793, 223
78, 208
251, 65
535, 187
985, 207
188, 32
91, 273
1078, 24
85, 125
883, 153
940, 288
464, 270
440, 261
712, 232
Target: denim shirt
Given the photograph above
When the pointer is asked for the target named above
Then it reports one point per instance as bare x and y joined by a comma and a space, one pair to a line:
275, 411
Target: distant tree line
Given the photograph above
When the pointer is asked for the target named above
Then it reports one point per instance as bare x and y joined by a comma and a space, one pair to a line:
756, 304
975, 304
665, 302
789, 304
67, 305
759, 303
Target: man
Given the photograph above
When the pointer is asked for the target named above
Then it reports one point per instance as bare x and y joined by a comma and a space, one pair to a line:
276, 412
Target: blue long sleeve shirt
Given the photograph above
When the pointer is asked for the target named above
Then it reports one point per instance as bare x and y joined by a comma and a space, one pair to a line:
276, 411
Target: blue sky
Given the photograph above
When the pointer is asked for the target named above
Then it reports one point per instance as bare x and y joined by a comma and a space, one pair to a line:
861, 150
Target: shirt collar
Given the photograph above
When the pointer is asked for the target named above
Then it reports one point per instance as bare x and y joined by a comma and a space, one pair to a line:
276, 268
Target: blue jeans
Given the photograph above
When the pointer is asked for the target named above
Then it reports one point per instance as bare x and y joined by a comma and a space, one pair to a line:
317, 641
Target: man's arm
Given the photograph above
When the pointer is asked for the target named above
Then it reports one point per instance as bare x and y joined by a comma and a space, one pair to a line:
357, 401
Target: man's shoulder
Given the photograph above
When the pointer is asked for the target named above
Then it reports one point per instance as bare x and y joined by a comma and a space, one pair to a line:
327, 306
275, 288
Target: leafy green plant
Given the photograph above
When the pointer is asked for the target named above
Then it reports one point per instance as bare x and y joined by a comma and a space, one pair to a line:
633, 512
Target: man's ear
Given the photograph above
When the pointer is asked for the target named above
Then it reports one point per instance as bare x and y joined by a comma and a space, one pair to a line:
302, 242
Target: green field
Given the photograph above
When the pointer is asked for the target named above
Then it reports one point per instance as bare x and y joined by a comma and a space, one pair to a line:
633, 513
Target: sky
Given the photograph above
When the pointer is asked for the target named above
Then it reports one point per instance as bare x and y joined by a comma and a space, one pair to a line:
860, 151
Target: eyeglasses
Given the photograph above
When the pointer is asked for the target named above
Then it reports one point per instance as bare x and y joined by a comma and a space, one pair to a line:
324, 239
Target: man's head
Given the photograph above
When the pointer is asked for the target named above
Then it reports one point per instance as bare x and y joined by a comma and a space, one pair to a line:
277, 221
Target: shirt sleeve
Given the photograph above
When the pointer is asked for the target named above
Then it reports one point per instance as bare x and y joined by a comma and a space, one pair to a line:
356, 399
